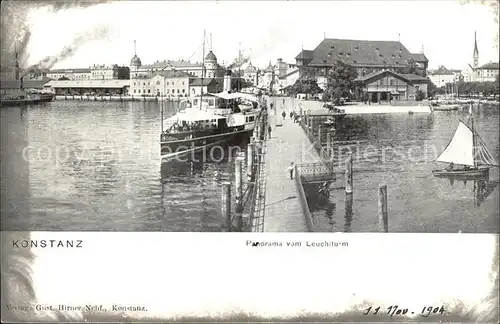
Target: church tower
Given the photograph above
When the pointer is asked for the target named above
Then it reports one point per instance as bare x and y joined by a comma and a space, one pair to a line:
475, 55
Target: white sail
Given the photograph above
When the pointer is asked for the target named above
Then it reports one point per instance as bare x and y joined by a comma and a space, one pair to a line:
459, 150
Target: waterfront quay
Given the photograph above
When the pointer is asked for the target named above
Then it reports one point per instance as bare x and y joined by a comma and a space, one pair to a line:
286, 158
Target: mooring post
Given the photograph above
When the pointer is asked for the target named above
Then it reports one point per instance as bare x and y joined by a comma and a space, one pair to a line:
382, 209
348, 173
238, 181
348, 211
250, 159
239, 194
226, 205
319, 135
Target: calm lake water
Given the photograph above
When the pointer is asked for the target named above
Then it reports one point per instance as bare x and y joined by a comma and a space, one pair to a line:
96, 166
398, 150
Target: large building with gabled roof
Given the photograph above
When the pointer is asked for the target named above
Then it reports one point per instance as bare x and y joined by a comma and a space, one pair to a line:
365, 56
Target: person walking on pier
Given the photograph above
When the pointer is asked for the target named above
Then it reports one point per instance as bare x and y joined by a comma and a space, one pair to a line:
269, 129
283, 114
291, 114
290, 169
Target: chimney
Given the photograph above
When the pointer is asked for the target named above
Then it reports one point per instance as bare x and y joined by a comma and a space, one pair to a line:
227, 81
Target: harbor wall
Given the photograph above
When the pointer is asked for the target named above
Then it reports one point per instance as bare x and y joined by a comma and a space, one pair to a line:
353, 109
114, 98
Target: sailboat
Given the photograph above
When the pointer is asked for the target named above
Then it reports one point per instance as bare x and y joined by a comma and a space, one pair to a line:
468, 149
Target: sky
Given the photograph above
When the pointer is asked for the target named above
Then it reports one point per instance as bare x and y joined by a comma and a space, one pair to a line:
264, 30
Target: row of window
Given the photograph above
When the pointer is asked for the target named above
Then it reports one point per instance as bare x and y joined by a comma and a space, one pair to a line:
167, 91
158, 83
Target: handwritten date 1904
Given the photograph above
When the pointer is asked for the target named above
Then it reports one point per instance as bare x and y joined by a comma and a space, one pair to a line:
395, 310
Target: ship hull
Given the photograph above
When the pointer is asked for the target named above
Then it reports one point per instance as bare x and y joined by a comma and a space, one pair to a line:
473, 173
197, 143
24, 102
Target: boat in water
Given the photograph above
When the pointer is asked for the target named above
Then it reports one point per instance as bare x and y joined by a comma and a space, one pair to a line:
438, 106
468, 150
27, 97
207, 120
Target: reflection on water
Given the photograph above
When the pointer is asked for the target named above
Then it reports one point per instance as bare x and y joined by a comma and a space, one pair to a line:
398, 150
96, 166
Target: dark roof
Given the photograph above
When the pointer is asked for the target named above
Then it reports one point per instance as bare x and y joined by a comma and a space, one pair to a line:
197, 82
490, 66
69, 71
304, 55
419, 57
210, 56
414, 78
360, 52
409, 78
135, 61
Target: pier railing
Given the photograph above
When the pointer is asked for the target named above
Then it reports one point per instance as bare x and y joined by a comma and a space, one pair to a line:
322, 151
316, 172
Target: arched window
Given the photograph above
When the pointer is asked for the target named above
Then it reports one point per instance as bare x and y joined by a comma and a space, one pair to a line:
157, 82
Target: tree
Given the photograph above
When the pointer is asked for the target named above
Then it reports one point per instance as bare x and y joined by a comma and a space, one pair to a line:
238, 82
419, 95
432, 90
307, 85
340, 82
413, 68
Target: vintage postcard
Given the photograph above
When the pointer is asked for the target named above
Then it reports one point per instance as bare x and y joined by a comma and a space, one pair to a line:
250, 161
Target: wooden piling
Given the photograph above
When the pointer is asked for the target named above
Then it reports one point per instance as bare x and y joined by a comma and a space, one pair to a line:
226, 205
319, 135
238, 181
348, 211
348, 174
250, 158
382, 209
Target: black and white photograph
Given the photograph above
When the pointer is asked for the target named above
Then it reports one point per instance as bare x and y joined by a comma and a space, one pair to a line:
120, 123
179, 117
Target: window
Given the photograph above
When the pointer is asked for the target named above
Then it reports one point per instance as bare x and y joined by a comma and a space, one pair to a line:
149, 83
168, 91
157, 82
144, 83
173, 90
183, 90
134, 90
149, 90
182, 82
391, 82
167, 83
178, 91
139, 90
195, 102
417, 88
210, 102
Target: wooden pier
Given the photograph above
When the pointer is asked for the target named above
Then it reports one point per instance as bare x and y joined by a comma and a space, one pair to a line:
284, 211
